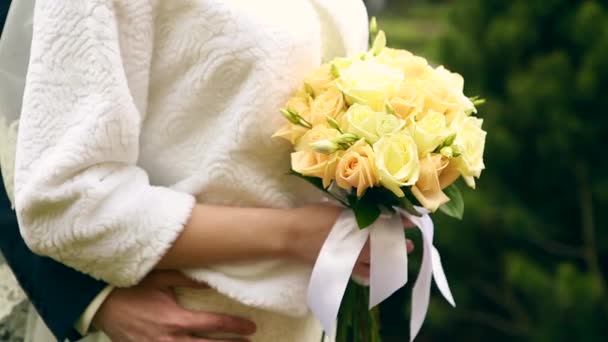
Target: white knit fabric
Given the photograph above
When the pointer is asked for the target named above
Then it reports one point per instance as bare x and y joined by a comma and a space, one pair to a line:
134, 109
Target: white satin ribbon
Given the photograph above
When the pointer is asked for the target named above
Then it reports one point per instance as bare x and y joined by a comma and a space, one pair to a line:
430, 268
388, 272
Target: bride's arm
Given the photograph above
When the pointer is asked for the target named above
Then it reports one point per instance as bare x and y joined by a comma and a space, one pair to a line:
80, 196
218, 234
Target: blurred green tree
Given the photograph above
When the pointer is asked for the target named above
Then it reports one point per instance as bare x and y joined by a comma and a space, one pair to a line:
530, 260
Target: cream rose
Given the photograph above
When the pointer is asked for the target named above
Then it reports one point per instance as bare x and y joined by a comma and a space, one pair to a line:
357, 169
470, 143
363, 121
369, 83
327, 105
430, 132
397, 162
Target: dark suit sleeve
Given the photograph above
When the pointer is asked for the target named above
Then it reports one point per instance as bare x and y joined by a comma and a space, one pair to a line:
60, 294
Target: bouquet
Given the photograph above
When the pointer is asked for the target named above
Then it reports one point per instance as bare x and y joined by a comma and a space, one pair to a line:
387, 135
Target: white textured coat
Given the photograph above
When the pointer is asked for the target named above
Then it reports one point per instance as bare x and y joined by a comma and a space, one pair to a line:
135, 109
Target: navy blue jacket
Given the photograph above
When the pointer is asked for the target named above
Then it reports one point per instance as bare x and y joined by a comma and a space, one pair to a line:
60, 294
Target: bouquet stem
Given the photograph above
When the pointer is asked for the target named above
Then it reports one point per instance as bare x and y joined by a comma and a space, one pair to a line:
356, 323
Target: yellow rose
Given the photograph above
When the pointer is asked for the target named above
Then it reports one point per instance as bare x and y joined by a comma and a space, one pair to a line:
357, 168
329, 104
363, 121
369, 83
470, 143
443, 92
397, 162
314, 164
319, 80
430, 132
427, 189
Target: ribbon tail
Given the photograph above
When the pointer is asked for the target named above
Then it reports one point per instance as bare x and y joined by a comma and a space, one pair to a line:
440, 278
388, 271
421, 293
333, 269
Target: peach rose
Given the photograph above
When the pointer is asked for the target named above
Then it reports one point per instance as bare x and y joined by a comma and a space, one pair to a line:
357, 169
330, 104
427, 189
319, 80
307, 162
290, 132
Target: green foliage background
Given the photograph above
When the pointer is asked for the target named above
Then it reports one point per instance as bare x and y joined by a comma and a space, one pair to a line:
529, 262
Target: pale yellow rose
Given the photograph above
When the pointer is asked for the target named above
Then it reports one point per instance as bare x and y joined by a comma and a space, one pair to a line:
427, 189
443, 92
357, 168
363, 121
430, 132
319, 80
397, 162
328, 104
369, 83
470, 143
437, 97
455, 83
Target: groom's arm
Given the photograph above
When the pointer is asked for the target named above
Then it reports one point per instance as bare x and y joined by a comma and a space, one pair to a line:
60, 294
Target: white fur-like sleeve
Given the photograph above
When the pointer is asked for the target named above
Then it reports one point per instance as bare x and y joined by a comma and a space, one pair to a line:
80, 197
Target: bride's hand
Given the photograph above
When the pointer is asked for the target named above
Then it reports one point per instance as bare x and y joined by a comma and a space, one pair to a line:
310, 230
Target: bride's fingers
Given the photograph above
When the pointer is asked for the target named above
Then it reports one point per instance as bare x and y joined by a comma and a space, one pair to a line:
362, 270
407, 223
364, 256
409, 245
213, 323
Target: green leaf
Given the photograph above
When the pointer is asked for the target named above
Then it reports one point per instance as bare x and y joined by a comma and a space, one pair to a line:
366, 210
407, 205
455, 207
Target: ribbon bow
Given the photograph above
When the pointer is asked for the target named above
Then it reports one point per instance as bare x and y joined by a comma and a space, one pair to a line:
388, 272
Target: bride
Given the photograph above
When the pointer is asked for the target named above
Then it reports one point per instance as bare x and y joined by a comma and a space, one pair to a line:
145, 143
